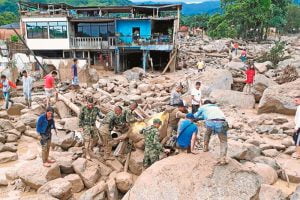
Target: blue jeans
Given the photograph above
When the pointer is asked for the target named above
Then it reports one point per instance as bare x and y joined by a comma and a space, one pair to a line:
6, 96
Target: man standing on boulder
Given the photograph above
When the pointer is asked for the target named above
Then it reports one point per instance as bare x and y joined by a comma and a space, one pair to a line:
6, 86
44, 125
297, 129
152, 146
87, 121
215, 123
49, 85
196, 97
27, 87
74, 68
176, 95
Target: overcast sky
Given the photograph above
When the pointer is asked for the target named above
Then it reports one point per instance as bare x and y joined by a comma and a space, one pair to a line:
185, 1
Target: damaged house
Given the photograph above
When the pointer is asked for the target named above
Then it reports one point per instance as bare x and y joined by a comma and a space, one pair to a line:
116, 37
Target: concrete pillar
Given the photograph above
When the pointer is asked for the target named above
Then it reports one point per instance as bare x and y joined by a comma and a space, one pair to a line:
117, 55
89, 59
145, 53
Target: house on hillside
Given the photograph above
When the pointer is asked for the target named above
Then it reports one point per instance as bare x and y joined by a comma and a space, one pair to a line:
120, 37
6, 31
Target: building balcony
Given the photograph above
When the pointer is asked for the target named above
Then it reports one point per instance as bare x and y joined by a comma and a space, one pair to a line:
92, 43
144, 40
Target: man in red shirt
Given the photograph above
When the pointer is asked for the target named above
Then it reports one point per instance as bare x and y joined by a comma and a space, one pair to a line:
49, 85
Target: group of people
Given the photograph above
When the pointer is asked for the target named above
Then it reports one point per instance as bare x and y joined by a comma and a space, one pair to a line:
182, 127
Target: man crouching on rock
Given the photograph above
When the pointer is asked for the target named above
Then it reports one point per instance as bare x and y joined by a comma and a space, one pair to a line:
152, 146
87, 121
44, 125
215, 123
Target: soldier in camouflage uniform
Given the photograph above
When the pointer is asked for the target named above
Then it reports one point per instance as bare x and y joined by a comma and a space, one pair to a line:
129, 114
87, 121
152, 146
114, 120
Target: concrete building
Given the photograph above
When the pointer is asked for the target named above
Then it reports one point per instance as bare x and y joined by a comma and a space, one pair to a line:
116, 37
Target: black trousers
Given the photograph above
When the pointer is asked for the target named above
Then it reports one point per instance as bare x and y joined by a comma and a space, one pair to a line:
195, 108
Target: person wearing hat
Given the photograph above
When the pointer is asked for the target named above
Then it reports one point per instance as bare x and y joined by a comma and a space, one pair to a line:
152, 146
215, 123
87, 121
44, 125
174, 118
187, 134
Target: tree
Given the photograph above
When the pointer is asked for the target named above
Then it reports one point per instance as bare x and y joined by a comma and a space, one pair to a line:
293, 19
7, 18
218, 27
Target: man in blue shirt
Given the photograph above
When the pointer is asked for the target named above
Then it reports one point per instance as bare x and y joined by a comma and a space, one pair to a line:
44, 125
215, 123
187, 134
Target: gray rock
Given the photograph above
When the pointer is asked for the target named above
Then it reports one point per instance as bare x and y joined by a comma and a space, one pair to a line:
271, 192
270, 153
59, 188
8, 156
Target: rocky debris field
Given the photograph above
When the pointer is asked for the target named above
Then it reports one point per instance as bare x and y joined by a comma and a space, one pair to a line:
260, 142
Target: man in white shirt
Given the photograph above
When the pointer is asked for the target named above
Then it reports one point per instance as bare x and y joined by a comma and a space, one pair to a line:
27, 87
196, 97
297, 129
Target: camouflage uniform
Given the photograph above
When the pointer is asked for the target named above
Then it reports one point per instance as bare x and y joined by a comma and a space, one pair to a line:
112, 122
152, 146
87, 120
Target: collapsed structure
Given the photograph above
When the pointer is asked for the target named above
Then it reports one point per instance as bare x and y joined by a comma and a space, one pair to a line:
117, 37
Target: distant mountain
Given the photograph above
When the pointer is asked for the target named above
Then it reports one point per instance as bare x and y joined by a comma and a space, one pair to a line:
209, 7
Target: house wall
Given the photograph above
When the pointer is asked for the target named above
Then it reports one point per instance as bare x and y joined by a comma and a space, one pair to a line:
7, 33
47, 44
124, 28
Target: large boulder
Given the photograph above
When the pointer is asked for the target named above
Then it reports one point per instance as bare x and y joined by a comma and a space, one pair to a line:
15, 109
263, 67
64, 161
124, 181
187, 176
34, 174
94, 192
87, 170
5, 125
29, 119
59, 188
64, 140
271, 192
8, 156
280, 98
76, 182
296, 194
291, 168
268, 174
63, 110
213, 79
243, 151
233, 65
71, 123
238, 99
136, 162
261, 83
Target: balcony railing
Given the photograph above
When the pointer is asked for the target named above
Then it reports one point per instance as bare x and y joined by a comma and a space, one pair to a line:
92, 42
144, 40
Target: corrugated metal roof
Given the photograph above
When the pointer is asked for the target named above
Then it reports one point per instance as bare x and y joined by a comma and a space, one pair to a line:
11, 26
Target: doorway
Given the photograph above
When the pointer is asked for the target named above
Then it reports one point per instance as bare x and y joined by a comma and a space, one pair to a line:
135, 33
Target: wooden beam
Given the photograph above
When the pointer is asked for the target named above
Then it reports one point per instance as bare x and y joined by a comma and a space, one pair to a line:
170, 61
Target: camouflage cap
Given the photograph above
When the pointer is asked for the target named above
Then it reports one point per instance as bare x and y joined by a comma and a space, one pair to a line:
90, 100
157, 121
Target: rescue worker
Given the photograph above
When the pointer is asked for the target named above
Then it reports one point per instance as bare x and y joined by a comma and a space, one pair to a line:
152, 146
114, 120
174, 118
129, 113
87, 121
